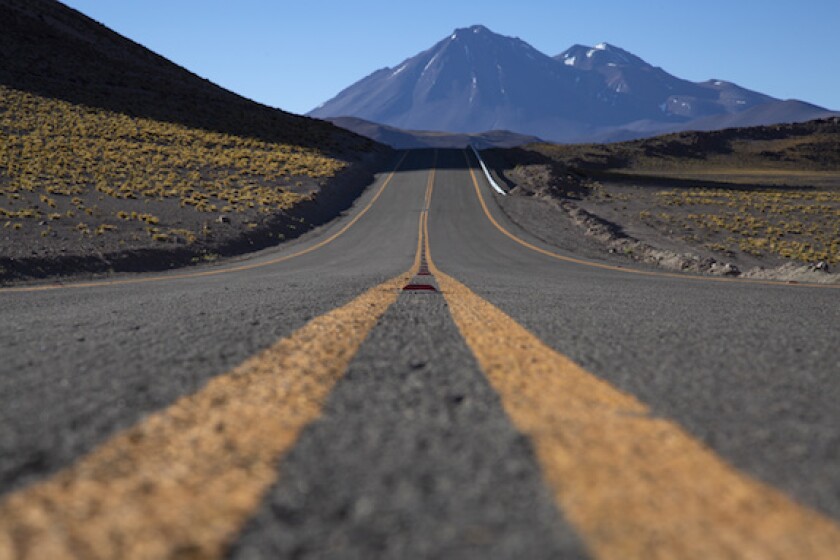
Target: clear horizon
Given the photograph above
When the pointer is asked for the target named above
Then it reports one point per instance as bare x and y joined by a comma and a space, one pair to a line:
295, 57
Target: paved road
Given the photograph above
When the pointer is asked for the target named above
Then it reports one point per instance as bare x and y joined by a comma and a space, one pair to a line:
530, 407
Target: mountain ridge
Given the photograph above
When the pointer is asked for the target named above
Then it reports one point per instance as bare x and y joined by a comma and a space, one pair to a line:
476, 80
401, 139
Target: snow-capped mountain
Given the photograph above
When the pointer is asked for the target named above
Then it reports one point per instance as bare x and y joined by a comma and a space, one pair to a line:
648, 92
472, 81
475, 80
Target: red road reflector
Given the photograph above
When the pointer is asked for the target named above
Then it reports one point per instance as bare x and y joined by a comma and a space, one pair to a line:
419, 288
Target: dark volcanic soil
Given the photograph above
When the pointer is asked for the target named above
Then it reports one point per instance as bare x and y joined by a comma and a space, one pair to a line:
58, 248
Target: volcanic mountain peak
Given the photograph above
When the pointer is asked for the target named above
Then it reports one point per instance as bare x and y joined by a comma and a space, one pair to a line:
468, 51
465, 32
490, 43
474, 80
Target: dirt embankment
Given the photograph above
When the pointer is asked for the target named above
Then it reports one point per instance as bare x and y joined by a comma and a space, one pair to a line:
226, 234
752, 222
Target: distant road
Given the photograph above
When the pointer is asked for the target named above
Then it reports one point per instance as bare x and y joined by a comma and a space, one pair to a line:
300, 403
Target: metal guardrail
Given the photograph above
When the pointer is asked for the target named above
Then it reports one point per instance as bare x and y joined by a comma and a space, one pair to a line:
490, 179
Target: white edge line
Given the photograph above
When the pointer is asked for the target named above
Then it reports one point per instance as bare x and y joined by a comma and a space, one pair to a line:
490, 180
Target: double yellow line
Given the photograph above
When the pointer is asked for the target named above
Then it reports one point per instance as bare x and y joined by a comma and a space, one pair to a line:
186, 479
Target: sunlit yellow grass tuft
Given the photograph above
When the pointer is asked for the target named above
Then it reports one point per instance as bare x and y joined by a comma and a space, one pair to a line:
54, 148
798, 225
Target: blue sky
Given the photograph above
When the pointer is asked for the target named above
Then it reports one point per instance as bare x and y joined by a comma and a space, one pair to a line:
297, 54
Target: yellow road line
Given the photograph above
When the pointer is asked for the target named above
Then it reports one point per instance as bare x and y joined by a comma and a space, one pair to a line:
430, 185
633, 485
182, 482
424, 214
240, 268
603, 266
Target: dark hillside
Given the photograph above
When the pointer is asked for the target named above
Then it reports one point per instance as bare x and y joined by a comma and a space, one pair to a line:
813, 145
53, 51
114, 158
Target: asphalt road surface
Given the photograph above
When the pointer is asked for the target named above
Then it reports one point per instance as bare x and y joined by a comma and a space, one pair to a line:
515, 403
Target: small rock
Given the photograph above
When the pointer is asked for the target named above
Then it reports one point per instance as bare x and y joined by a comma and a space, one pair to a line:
363, 507
223, 220
457, 399
724, 269
708, 262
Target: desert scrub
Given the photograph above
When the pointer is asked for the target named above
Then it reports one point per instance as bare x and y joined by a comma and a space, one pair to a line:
104, 228
186, 235
802, 225
53, 148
